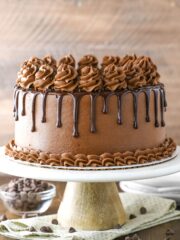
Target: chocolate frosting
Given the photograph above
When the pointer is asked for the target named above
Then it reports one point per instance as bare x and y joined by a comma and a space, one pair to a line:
127, 59
66, 78
36, 61
90, 79
44, 78
69, 59
26, 75
114, 77
139, 156
149, 70
49, 60
107, 60
138, 72
158, 92
134, 75
88, 60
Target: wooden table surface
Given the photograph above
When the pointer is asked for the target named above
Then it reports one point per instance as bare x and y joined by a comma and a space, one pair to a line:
155, 233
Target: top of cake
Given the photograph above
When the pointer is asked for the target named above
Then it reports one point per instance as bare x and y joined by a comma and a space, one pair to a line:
88, 75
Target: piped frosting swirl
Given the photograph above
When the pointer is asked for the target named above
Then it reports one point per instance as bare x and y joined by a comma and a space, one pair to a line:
66, 78
114, 78
36, 61
49, 60
44, 78
149, 70
114, 74
69, 60
108, 60
135, 77
127, 59
88, 60
90, 79
26, 75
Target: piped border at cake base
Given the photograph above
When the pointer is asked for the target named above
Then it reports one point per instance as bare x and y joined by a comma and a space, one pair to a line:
83, 161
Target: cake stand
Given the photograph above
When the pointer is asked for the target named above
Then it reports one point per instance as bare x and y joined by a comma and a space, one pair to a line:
91, 200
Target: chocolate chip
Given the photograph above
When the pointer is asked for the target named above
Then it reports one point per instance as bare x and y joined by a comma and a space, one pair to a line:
55, 222
44, 185
118, 226
46, 229
72, 230
49, 230
143, 210
32, 229
3, 217
132, 216
25, 193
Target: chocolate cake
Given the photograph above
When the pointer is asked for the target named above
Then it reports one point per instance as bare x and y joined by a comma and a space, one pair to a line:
90, 114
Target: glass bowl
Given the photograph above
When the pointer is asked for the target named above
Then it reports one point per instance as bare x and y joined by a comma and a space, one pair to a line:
29, 204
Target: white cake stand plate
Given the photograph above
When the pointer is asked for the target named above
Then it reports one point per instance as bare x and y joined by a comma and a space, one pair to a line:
91, 200
22, 169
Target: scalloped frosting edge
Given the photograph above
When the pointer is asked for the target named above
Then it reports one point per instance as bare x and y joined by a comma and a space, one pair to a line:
139, 156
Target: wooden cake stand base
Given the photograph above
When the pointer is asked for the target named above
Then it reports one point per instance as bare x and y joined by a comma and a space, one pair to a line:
91, 206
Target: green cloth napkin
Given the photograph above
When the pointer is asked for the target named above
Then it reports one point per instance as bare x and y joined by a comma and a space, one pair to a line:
159, 211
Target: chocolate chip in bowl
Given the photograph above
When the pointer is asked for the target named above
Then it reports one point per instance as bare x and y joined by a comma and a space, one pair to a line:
27, 197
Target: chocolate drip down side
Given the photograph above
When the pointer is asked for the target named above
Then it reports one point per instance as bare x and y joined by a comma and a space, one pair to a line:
106, 97
33, 129
76, 101
158, 91
16, 105
59, 110
23, 113
135, 109
147, 94
93, 112
163, 105
119, 118
44, 99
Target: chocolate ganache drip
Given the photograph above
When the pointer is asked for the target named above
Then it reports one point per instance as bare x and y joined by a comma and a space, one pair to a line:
158, 91
66, 78
119, 76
